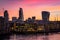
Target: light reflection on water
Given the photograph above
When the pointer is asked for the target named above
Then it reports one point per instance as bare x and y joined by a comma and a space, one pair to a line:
33, 37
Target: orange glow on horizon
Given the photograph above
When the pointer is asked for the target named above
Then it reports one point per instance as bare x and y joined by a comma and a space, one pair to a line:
31, 8
36, 11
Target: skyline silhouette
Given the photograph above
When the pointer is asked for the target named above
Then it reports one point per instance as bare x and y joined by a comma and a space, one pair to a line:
56, 18
29, 19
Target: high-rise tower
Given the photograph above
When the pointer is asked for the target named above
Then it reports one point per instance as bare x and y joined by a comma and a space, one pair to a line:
6, 16
21, 17
45, 15
6, 21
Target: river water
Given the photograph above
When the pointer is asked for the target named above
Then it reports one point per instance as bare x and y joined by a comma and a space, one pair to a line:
31, 37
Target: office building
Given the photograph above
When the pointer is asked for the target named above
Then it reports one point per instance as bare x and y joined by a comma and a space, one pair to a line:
21, 16
6, 16
1, 24
45, 15
14, 19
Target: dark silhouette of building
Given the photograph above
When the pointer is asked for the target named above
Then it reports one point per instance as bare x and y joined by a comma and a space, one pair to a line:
6, 21
21, 17
14, 19
1, 24
45, 15
6, 16
33, 17
29, 19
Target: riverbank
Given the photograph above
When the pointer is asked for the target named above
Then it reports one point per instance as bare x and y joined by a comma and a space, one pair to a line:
30, 32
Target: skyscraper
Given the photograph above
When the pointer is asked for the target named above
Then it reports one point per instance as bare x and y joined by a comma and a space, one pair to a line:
21, 17
6, 16
6, 21
45, 15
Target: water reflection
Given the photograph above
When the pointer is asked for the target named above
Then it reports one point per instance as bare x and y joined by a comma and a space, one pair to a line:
30, 37
45, 37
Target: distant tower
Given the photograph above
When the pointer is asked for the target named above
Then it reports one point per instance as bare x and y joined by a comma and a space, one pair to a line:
21, 17
45, 15
33, 17
6, 16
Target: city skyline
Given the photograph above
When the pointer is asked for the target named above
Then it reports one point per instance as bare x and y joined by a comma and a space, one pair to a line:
21, 15
38, 6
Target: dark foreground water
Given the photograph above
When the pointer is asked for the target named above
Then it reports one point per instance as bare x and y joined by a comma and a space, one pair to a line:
31, 37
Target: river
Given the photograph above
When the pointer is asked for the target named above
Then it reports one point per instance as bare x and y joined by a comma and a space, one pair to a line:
55, 36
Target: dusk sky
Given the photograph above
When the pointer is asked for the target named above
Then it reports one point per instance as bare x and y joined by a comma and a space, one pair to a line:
31, 8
